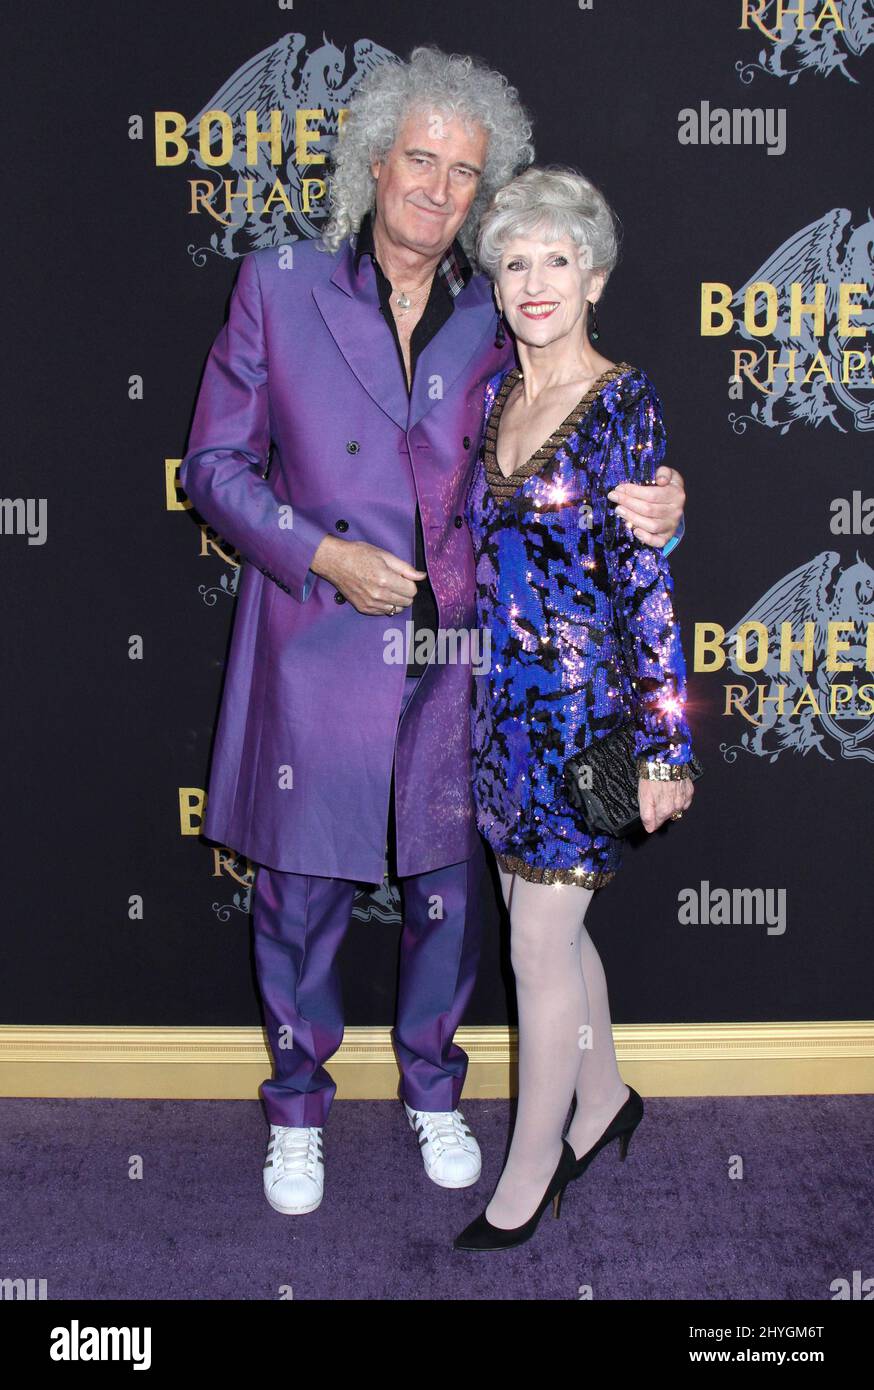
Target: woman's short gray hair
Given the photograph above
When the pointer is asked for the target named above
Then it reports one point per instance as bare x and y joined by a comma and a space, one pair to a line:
448, 83
550, 203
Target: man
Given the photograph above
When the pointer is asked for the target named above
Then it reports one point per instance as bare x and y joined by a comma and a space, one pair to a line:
364, 368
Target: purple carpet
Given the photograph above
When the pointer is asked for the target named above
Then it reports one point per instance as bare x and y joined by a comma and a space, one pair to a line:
669, 1223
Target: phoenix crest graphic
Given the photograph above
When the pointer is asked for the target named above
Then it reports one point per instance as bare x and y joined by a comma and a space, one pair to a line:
819, 592
284, 77
823, 50
826, 252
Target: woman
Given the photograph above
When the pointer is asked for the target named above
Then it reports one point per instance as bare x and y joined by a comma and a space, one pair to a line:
583, 638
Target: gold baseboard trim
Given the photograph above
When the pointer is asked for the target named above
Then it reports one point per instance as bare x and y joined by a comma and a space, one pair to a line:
658, 1059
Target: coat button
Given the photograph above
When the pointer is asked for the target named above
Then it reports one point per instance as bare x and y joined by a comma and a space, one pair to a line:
458, 522
339, 598
352, 446
341, 525
466, 441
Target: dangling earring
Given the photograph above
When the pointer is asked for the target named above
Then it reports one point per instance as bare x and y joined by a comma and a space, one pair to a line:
594, 331
500, 335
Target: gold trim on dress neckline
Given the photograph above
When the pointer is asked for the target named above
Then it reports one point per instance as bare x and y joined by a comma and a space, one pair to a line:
503, 485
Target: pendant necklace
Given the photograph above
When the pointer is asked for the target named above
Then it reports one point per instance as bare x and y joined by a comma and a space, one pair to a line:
404, 301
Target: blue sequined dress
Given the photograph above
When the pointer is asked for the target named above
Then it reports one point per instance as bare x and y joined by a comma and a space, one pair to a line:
579, 615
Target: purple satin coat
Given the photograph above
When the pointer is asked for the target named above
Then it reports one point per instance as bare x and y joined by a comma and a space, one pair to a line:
307, 362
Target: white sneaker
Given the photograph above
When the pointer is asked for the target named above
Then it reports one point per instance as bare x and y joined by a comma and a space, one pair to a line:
449, 1151
294, 1170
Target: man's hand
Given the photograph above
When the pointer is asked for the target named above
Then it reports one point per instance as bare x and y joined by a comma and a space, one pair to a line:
373, 580
652, 512
659, 800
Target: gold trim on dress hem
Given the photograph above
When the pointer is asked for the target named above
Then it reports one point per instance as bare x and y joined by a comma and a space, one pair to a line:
588, 878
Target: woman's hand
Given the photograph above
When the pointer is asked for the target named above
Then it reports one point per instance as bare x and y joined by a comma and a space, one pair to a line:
659, 800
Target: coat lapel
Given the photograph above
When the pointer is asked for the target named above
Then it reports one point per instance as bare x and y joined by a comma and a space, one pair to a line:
446, 356
349, 305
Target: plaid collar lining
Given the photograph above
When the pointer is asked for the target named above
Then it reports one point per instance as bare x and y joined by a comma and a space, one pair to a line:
454, 270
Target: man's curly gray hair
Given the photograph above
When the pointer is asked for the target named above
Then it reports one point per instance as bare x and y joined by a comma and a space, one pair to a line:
448, 83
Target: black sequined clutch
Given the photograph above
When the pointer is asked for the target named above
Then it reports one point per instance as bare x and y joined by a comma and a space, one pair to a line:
601, 783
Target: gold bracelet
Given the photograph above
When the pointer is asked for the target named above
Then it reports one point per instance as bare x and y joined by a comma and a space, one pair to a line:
658, 771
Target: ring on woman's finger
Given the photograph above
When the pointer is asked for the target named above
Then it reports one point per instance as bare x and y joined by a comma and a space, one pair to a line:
676, 815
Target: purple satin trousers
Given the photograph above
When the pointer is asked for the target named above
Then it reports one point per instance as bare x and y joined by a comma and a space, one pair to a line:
299, 923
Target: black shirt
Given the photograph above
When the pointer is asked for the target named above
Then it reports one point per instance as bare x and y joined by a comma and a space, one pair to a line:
451, 276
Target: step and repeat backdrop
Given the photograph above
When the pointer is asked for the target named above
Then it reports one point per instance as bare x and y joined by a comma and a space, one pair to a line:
733, 140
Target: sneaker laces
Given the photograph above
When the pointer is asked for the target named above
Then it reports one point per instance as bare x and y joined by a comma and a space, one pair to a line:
445, 1129
297, 1150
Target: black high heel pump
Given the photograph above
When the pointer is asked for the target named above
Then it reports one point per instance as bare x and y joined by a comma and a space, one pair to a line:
621, 1127
482, 1235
